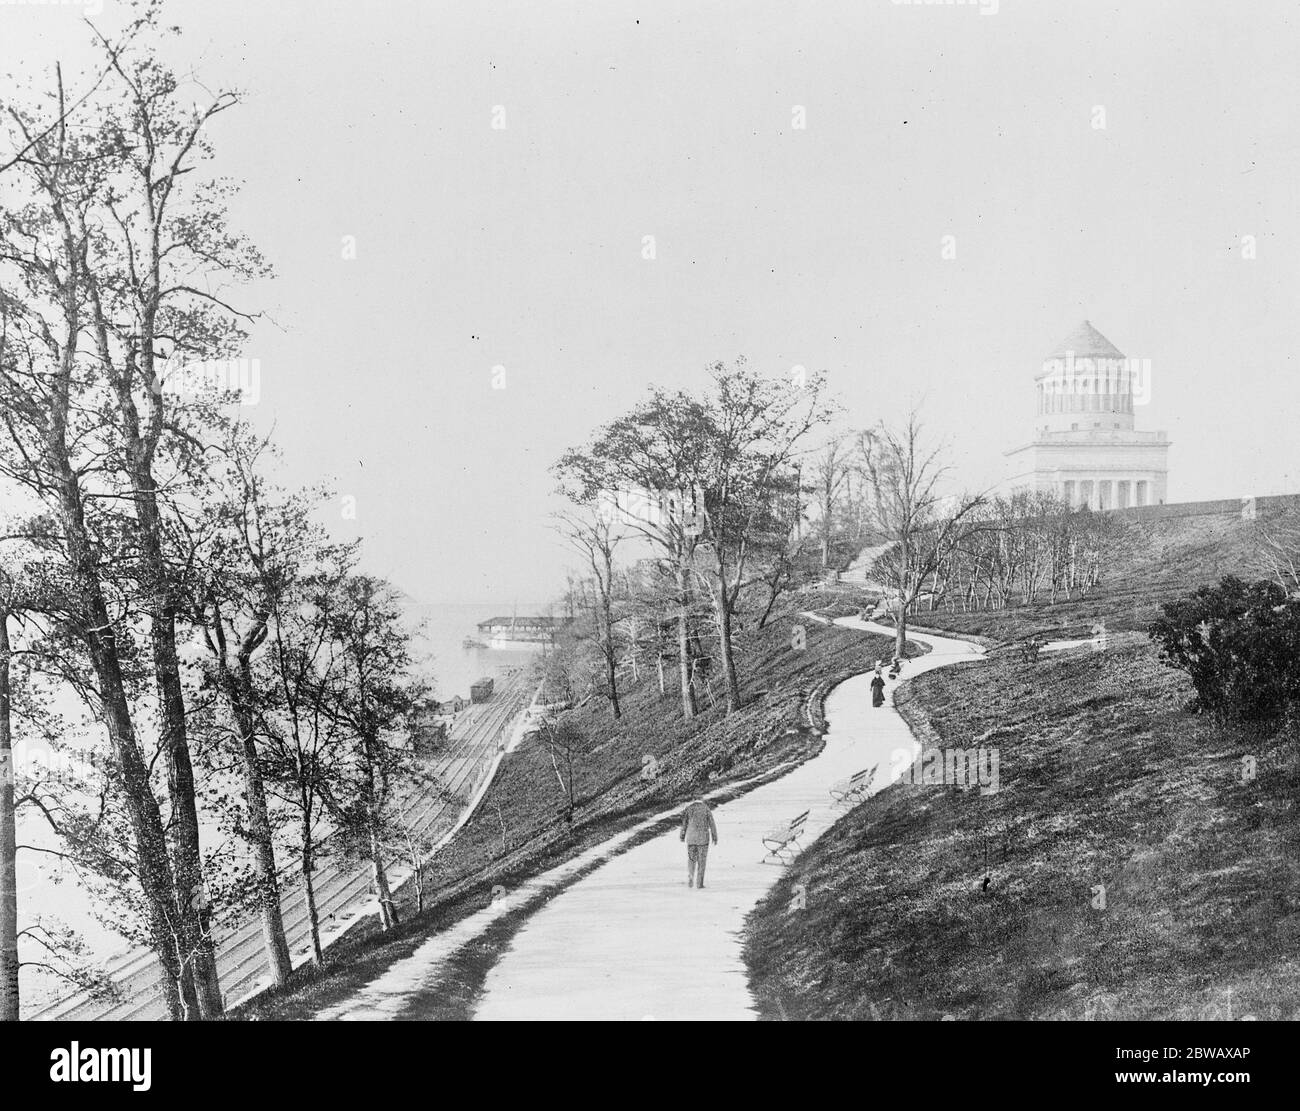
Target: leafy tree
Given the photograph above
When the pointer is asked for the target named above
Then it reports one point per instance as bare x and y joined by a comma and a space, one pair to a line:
710, 471
115, 251
255, 547
305, 750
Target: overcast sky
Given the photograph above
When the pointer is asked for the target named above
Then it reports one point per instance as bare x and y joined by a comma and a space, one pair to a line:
821, 246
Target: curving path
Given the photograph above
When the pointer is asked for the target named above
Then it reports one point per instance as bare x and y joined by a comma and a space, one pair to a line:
632, 941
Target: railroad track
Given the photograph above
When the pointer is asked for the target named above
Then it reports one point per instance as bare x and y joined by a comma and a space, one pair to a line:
341, 887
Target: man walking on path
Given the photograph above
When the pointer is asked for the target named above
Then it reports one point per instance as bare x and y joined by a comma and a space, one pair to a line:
697, 829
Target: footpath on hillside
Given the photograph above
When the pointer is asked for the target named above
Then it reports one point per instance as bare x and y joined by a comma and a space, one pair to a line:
633, 941
629, 940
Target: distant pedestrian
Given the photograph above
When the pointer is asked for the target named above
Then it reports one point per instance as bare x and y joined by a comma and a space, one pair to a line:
878, 689
698, 828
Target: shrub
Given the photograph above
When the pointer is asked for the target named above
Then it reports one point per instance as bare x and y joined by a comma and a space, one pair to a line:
1240, 644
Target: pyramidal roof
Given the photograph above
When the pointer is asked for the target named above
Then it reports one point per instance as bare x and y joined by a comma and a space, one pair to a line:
1086, 342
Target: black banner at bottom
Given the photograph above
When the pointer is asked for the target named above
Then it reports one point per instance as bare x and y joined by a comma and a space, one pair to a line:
337, 1060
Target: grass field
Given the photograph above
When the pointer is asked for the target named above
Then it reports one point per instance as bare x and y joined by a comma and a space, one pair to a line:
518, 832
929, 901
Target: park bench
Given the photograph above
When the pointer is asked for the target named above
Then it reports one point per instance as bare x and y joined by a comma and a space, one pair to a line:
846, 792
777, 842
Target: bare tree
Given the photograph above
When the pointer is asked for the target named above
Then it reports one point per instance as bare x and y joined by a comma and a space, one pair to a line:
831, 471
1278, 550
786, 549
903, 477
565, 744
595, 535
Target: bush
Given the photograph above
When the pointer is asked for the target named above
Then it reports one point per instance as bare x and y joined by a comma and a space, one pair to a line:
1240, 644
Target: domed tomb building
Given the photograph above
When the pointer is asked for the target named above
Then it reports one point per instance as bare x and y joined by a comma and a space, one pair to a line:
1085, 447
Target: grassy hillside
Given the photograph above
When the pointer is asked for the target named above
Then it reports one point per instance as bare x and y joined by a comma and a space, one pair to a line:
932, 901
518, 830
1166, 558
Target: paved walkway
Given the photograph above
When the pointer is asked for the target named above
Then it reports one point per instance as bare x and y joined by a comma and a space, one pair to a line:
392, 994
632, 941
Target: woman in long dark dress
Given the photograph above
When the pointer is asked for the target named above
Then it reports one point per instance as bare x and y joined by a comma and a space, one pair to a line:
877, 689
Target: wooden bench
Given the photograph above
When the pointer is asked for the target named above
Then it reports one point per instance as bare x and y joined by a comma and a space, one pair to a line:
777, 842
847, 792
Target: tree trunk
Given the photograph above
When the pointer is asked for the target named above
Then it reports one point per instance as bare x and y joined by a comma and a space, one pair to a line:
268, 886
193, 925
728, 657
153, 865
900, 633
260, 834
8, 843
689, 706
611, 677
152, 860
773, 592
309, 889
605, 584
387, 912
611, 664
195, 916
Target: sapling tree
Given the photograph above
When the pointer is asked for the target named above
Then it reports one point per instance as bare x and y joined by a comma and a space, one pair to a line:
373, 695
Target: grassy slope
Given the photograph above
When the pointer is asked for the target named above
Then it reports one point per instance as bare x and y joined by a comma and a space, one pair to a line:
1106, 779
711, 751
1169, 558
